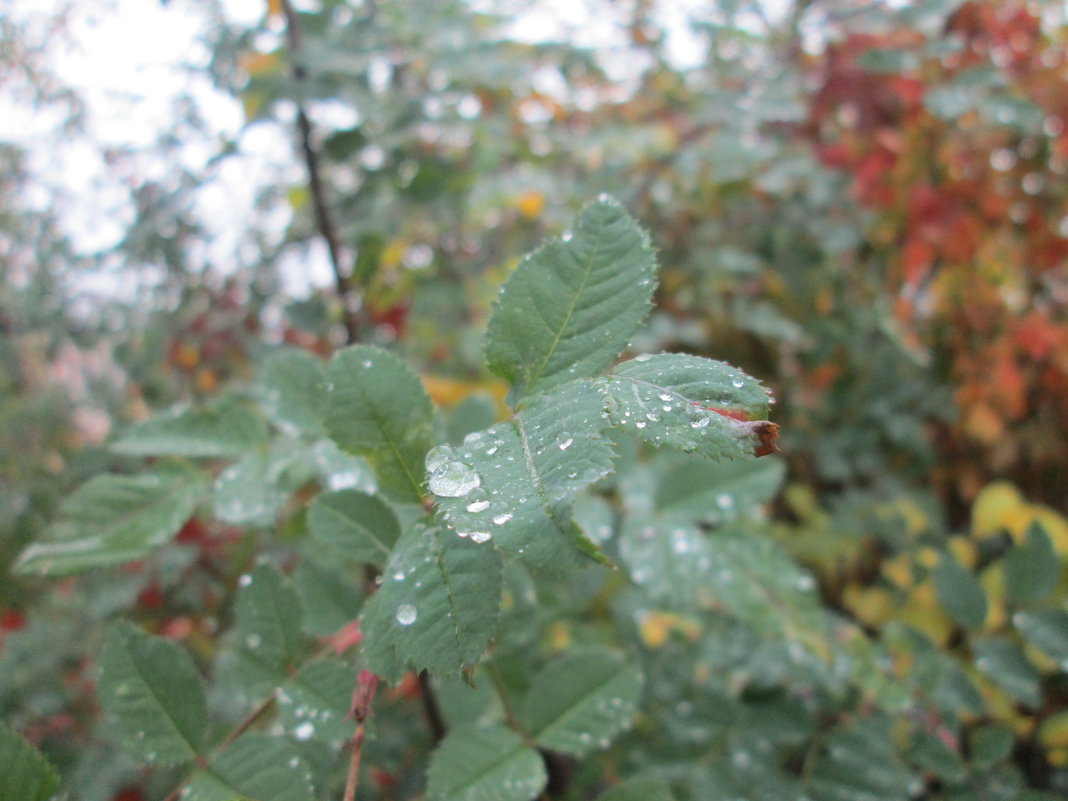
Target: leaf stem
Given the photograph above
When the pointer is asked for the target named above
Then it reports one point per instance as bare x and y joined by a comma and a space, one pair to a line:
362, 696
431, 709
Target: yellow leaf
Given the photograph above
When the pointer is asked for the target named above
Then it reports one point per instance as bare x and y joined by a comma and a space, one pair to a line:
922, 611
964, 551
898, 570
558, 635
871, 605
993, 583
996, 503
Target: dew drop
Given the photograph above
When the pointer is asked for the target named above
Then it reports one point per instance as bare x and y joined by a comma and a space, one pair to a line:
477, 506
566, 236
724, 501
640, 424
481, 536
406, 614
367, 362
453, 480
501, 519
565, 444
664, 396
304, 731
245, 580
253, 641
437, 457
737, 383
643, 357
700, 422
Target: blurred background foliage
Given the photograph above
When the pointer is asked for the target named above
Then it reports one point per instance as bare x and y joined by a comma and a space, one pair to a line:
862, 204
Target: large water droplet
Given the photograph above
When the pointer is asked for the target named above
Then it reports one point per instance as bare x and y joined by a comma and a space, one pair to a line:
501, 519
478, 506
481, 536
700, 422
737, 383
406, 614
454, 480
437, 457
565, 444
643, 357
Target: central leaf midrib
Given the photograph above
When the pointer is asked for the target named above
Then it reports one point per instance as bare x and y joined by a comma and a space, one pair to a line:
536, 375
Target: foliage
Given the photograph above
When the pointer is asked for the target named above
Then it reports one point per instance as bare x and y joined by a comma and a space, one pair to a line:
528, 494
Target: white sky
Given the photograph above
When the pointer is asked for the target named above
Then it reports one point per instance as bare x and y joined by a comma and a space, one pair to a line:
131, 61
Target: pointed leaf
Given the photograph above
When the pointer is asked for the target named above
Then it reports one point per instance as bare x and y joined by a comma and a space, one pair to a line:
254, 767
228, 428
570, 308
1005, 664
1031, 568
484, 764
27, 774
437, 606
515, 482
692, 404
293, 394
960, 592
582, 700
1046, 630
268, 616
354, 525
151, 687
115, 519
378, 408
314, 704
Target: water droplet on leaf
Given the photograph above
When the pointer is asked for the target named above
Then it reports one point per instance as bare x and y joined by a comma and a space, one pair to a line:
406, 614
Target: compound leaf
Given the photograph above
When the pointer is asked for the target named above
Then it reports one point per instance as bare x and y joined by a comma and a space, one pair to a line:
582, 700
152, 689
113, 519
484, 764
515, 482
437, 606
693, 404
378, 408
314, 704
571, 307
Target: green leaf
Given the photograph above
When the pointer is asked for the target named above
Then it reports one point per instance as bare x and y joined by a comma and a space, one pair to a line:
378, 408
27, 774
1046, 630
719, 491
331, 597
569, 309
858, 761
314, 704
959, 592
268, 616
152, 689
1004, 664
292, 392
753, 579
1030, 568
689, 403
670, 561
582, 700
114, 519
246, 492
254, 767
227, 428
639, 789
484, 764
354, 525
990, 744
515, 482
437, 606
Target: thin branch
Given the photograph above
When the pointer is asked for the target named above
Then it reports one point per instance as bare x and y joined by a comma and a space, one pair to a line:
362, 696
323, 219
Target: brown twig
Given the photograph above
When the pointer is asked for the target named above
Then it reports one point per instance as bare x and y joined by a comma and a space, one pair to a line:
362, 696
323, 219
